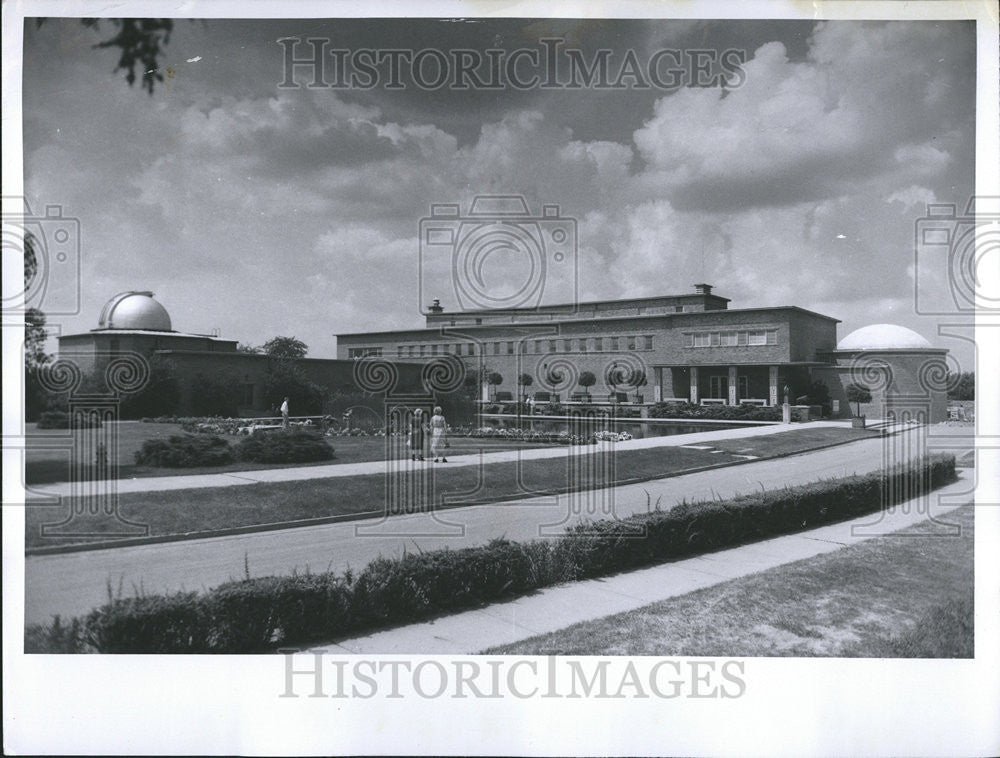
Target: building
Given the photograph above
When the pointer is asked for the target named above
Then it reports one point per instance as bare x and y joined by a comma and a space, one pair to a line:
686, 347
134, 323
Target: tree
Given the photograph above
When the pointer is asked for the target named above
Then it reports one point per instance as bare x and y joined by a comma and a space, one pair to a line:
962, 386
141, 42
285, 348
494, 379
587, 380
285, 379
525, 381
637, 379
161, 394
36, 399
242, 348
858, 393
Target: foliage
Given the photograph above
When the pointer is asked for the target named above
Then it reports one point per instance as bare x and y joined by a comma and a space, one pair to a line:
285, 348
525, 380
291, 446
36, 399
857, 393
214, 394
494, 378
161, 394
258, 614
962, 386
185, 451
587, 379
251, 349
285, 379
61, 420
746, 412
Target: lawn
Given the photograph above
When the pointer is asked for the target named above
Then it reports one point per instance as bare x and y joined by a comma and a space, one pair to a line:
794, 441
45, 465
198, 510
891, 596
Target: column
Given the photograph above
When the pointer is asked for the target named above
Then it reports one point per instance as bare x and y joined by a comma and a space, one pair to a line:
772, 397
694, 384
658, 386
732, 385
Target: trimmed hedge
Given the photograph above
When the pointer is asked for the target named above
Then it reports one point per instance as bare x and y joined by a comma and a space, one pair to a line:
287, 446
185, 451
746, 412
260, 614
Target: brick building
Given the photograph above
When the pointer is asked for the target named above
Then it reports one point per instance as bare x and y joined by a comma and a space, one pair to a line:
686, 347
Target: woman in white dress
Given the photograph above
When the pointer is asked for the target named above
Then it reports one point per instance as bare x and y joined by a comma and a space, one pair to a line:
439, 427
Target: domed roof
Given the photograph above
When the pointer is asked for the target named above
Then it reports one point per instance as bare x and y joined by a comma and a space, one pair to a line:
883, 337
135, 310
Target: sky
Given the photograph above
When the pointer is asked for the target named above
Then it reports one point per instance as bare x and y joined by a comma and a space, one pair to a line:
260, 211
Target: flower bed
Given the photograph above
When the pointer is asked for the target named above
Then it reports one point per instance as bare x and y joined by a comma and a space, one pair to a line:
746, 412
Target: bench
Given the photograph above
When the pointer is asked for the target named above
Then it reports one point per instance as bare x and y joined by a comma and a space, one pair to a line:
713, 401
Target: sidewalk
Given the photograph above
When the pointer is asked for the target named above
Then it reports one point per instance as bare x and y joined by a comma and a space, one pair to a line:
556, 608
237, 478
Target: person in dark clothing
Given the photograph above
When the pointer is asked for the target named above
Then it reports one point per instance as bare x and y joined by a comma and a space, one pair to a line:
417, 428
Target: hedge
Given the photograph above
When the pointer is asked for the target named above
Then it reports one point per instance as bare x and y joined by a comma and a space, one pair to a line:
185, 451
285, 446
745, 412
262, 614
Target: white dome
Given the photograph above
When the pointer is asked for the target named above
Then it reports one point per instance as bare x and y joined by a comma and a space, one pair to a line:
135, 310
883, 337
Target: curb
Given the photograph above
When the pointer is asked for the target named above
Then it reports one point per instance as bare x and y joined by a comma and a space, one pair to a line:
367, 515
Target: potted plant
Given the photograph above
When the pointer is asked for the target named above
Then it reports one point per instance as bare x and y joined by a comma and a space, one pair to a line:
494, 379
525, 381
858, 394
587, 380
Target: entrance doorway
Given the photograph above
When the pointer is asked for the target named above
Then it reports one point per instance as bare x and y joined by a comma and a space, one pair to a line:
718, 387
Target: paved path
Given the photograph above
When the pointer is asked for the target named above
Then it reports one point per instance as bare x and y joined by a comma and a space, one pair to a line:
558, 607
237, 478
74, 583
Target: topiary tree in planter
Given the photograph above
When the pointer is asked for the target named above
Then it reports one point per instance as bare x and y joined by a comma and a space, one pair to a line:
525, 381
858, 394
587, 380
494, 379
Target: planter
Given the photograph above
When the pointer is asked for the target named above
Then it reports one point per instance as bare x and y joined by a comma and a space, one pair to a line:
858, 422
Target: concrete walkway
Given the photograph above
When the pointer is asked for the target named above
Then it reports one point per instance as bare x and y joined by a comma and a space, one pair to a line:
299, 473
556, 608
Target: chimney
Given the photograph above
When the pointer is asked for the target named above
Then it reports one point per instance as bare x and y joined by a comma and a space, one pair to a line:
436, 306
703, 289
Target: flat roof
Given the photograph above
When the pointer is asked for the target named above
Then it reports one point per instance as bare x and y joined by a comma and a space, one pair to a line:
152, 332
495, 325
556, 307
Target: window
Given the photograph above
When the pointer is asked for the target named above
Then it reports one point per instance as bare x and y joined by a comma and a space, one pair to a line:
729, 339
702, 340
741, 338
568, 345
757, 337
631, 343
716, 339
434, 349
743, 386
598, 344
538, 346
470, 349
423, 350
772, 336
552, 346
647, 342
510, 348
583, 344
496, 348
678, 309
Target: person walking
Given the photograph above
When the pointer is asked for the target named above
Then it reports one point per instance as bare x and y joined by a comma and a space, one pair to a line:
439, 429
284, 414
417, 435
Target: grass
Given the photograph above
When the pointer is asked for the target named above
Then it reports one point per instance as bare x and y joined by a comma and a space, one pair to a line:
891, 596
45, 465
198, 510
795, 441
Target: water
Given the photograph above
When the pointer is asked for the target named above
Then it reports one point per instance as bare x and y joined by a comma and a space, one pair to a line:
639, 429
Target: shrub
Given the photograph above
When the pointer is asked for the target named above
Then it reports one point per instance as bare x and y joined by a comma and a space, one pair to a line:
55, 637
286, 446
61, 420
747, 412
185, 451
257, 614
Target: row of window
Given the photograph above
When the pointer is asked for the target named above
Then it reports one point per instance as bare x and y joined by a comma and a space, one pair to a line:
509, 347
733, 338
